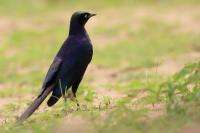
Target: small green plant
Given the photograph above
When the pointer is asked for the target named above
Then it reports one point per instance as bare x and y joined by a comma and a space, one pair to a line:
183, 89
106, 100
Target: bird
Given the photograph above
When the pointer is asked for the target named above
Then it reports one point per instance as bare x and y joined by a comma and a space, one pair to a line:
69, 65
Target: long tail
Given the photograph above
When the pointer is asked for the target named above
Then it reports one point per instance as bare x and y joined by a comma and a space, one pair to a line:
36, 103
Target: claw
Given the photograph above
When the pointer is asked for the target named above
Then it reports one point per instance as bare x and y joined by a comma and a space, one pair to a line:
77, 102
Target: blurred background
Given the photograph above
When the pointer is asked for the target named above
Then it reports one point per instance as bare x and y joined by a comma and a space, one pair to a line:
140, 50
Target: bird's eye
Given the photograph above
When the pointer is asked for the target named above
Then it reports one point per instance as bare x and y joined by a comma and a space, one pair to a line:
85, 15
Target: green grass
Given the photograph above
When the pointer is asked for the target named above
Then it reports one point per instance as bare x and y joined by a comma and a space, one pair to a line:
146, 47
130, 41
182, 107
21, 8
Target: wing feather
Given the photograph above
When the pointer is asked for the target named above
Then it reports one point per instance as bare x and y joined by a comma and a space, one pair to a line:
52, 72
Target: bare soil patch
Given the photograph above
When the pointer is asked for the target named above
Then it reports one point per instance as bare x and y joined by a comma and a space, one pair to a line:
193, 129
75, 124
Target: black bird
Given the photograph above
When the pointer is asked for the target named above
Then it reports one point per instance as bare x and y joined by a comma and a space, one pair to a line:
69, 65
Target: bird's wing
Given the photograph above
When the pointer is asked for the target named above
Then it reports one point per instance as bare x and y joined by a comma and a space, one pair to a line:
51, 72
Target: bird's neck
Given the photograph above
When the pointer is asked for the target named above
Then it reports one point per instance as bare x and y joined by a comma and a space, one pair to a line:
76, 29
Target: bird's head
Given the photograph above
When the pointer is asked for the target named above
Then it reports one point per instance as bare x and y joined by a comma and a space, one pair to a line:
80, 18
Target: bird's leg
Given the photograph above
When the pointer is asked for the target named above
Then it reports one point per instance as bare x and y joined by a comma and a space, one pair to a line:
65, 97
61, 90
76, 100
74, 89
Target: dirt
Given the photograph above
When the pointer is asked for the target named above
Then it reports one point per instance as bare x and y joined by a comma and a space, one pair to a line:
3, 102
101, 77
170, 66
183, 19
7, 100
186, 20
192, 129
11, 52
75, 124
156, 110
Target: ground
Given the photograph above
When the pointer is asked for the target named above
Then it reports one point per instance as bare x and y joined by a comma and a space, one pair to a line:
138, 47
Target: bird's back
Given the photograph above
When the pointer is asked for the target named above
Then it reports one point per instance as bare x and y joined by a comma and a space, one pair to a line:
76, 52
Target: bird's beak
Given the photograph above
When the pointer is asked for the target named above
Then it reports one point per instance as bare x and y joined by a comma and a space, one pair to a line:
91, 15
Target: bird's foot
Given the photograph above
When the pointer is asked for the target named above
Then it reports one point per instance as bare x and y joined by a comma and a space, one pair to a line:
65, 98
77, 105
78, 108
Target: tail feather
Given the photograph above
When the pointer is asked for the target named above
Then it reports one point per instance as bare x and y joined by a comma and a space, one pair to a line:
36, 103
52, 100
